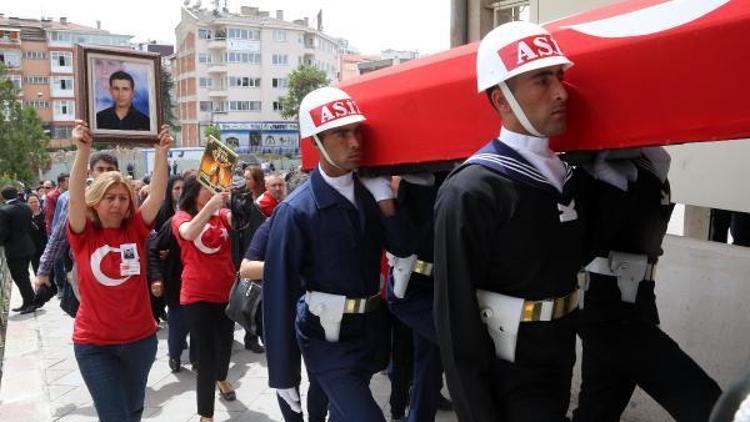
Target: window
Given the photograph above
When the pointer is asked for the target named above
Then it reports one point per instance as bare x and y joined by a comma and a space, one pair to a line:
243, 34
61, 59
36, 80
62, 83
204, 58
279, 36
239, 105
252, 58
204, 34
62, 132
10, 58
205, 82
37, 104
65, 108
34, 55
279, 82
280, 59
244, 105
277, 106
16, 79
206, 106
244, 81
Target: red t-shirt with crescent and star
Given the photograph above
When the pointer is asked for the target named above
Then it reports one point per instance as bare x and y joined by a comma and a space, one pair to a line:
208, 270
115, 308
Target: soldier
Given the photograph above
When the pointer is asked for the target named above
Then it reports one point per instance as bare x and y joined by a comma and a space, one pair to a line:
509, 242
322, 268
410, 292
623, 345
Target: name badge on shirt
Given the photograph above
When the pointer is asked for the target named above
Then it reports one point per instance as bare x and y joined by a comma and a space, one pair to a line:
130, 263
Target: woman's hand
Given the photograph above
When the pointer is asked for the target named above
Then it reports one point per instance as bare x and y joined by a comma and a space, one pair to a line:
165, 139
81, 136
217, 201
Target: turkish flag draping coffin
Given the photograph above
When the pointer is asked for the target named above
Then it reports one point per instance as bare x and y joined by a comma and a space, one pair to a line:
647, 72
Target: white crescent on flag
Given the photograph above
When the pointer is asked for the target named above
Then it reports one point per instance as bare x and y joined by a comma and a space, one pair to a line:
198, 242
96, 267
649, 20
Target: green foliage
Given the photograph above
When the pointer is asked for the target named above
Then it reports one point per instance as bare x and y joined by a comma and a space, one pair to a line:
301, 82
167, 86
212, 130
23, 142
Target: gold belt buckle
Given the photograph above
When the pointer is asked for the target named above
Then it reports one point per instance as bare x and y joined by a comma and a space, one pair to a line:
561, 306
352, 306
532, 311
422, 267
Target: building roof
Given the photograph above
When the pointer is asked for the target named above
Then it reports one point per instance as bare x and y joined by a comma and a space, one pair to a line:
51, 25
260, 19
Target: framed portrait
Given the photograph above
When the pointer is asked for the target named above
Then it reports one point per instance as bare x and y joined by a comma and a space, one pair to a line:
119, 92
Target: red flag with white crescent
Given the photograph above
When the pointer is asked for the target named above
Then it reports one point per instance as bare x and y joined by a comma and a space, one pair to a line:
647, 72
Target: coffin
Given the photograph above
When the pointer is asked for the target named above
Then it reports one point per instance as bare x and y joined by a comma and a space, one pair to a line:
647, 72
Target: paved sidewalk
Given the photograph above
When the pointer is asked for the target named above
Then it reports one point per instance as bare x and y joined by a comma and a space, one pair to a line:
41, 381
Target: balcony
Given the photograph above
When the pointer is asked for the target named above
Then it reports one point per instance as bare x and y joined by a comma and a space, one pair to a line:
217, 44
217, 91
220, 67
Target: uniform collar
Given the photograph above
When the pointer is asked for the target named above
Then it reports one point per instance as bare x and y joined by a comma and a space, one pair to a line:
521, 142
325, 193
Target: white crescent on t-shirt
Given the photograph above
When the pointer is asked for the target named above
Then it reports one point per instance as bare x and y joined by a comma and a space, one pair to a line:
198, 241
96, 267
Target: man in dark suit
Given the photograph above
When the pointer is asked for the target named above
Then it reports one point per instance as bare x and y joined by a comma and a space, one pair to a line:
15, 229
122, 115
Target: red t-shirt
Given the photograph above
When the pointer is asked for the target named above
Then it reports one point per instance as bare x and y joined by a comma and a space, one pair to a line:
208, 270
267, 203
115, 306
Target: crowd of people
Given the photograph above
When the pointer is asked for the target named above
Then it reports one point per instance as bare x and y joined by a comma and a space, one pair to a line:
479, 273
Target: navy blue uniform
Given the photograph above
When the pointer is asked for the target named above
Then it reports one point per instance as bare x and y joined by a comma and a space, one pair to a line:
320, 241
316, 398
415, 309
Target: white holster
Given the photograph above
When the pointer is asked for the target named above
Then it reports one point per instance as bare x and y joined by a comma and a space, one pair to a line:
630, 270
330, 309
502, 315
402, 269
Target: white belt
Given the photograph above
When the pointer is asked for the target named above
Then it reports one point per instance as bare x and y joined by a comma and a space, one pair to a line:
402, 269
330, 309
630, 270
502, 314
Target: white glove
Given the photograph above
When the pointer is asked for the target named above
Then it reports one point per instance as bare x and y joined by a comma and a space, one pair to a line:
616, 173
379, 187
291, 397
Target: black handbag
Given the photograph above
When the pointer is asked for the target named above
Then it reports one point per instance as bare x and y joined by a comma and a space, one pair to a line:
245, 303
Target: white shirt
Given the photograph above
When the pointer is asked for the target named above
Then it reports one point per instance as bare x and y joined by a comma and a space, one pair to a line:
342, 184
537, 152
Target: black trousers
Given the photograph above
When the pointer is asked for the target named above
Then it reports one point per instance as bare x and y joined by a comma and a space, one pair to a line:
617, 356
213, 334
536, 387
402, 366
19, 271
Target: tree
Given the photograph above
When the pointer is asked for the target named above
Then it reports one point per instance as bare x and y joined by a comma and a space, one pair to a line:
167, 85
212, 130
23, 143
302, 81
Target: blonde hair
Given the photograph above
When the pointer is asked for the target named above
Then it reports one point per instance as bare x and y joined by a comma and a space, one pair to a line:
99, 187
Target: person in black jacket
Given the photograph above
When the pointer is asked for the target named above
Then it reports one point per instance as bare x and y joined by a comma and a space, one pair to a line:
165, 274
15, 226
38, 229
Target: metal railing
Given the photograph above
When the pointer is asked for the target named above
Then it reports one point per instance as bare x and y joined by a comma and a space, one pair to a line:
6, 285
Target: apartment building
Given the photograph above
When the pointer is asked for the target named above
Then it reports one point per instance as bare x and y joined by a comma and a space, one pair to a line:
231, 68
41, 61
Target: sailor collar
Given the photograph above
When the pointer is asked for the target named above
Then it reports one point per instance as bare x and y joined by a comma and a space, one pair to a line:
501, 158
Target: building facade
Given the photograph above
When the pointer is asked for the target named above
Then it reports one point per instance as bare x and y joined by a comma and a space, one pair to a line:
231, 68
41, 61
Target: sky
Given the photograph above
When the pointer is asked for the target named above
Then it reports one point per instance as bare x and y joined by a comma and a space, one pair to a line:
370, 25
